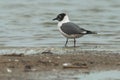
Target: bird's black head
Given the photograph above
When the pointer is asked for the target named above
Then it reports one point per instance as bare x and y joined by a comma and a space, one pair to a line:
60, 17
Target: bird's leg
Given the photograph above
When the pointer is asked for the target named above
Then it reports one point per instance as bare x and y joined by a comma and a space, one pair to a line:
74, 42
66, 42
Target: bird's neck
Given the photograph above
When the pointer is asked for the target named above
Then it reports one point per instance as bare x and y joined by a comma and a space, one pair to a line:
65, 20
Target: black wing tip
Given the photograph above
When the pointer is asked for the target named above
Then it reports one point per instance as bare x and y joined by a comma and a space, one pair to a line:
91, 32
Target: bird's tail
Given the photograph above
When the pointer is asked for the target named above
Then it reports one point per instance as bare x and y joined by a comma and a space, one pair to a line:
91, 32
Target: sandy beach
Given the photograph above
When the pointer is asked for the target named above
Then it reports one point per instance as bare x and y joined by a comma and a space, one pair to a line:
15, 65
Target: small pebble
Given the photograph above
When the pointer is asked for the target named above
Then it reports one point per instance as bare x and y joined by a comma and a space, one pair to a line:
9, 60
33, 69
47, 57
66, 64
49, 61
16, 60
58, 57
9, 70
54, 70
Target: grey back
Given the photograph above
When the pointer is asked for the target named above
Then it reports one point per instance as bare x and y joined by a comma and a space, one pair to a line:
71, 28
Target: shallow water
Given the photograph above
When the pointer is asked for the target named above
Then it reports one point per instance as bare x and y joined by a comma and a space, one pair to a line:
28, 23
77, 75
103, 75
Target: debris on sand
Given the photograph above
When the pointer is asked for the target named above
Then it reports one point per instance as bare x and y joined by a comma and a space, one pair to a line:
29, 68
69, 65
15, 55
47, 52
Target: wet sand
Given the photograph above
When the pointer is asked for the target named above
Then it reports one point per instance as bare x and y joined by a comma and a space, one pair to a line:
19, 66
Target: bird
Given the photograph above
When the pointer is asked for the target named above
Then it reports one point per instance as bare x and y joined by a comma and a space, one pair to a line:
69, 29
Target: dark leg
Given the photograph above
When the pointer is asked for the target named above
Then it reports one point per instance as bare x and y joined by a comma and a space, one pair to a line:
74, 42
66, 42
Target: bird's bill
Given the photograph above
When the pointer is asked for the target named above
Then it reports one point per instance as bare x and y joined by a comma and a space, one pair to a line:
55, 19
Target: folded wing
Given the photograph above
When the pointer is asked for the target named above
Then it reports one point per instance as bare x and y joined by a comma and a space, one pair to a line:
71, 28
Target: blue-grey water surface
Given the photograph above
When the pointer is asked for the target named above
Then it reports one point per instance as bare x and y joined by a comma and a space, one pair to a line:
28, 23
71, 75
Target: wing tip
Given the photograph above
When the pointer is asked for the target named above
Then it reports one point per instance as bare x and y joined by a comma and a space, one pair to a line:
91, 32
